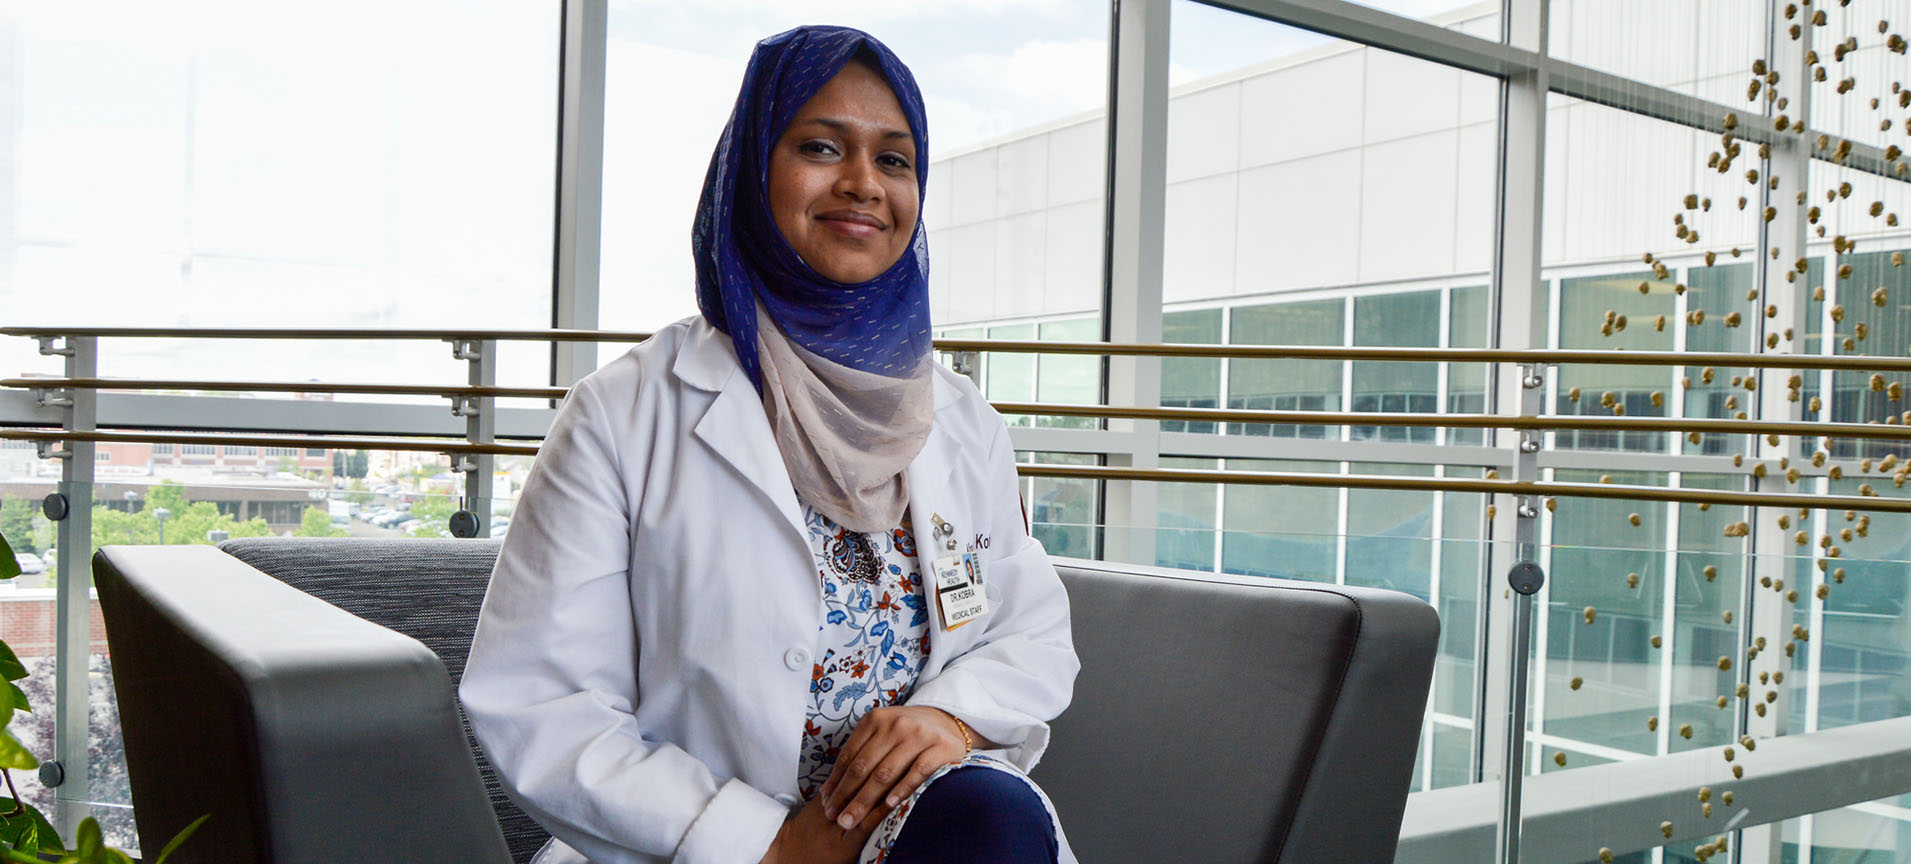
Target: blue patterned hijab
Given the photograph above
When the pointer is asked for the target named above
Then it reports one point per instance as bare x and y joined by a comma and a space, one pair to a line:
844, 371
880, 326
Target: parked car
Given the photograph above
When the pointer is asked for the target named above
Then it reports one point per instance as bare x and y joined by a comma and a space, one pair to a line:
29, 562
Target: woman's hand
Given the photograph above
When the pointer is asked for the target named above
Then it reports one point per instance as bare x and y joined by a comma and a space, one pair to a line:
810, 838
892, 751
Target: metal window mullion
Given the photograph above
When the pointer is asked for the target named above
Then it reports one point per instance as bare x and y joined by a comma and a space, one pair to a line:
1132, 256
1769, 614
1812, 683
1668, 624
1227, 338
1676, 405
1220, 518
1442, 372
578, 230
1436, 558
1346, 433
1340, 527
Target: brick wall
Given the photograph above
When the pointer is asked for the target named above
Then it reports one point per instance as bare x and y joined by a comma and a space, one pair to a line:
28, 624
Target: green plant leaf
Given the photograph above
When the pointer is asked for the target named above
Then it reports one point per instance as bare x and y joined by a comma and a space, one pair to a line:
90, 841
31, 825
19, 698
13, 754
179, 839
9, 567
11, 668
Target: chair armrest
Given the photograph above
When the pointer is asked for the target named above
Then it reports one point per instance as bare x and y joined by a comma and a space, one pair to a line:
309, 734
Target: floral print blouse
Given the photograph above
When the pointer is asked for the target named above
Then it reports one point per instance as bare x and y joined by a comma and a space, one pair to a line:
871, 641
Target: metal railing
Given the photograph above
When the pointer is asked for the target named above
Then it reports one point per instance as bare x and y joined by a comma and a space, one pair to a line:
74, 398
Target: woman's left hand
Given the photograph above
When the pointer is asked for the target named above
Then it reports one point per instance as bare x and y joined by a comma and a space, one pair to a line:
892, 751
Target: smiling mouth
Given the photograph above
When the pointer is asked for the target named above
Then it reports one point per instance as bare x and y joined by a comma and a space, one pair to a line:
853, 224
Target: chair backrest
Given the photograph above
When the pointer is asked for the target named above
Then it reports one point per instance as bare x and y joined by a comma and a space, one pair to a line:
427, 589
1237, 719
308, 734
1216, 718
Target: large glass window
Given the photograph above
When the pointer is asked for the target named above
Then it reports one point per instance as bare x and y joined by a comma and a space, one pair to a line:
1291, 532
1467, 327
1191, 382
1185, 534
260, 165
1069, 378
1611, 312
1286, 385
1405, 320
1605, 622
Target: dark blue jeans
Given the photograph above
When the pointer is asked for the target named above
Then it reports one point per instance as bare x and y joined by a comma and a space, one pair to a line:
974, 815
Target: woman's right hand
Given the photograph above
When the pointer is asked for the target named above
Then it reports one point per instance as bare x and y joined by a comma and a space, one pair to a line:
809, 837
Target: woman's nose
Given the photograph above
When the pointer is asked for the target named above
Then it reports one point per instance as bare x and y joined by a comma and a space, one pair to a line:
859, 179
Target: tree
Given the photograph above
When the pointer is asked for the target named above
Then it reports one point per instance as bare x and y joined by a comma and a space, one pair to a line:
350, 463
185, 524
170, 494
317, 522
434, 516
16, 523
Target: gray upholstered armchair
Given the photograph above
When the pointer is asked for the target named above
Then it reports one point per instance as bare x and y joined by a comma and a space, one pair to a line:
1216, 719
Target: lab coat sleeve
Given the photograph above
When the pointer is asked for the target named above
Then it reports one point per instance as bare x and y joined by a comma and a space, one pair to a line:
550, 685
1020, 672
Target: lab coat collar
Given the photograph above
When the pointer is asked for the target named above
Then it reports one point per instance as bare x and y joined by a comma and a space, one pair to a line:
737, 429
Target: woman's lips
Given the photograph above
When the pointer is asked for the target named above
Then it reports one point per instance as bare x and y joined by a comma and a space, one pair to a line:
851, 223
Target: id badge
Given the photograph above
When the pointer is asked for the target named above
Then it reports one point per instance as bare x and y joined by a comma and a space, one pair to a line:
959, 598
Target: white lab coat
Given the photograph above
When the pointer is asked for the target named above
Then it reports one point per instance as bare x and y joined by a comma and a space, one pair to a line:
640, 673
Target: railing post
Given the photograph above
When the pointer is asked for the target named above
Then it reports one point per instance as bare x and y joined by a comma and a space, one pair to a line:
1519, 293
481, 426
1525, 578
72, 690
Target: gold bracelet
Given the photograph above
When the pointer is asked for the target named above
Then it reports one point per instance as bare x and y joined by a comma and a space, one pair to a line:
968, 744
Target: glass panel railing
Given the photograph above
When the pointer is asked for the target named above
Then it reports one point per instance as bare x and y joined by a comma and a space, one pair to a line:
375, 494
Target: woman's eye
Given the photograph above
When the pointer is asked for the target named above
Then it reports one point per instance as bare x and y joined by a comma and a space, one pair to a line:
894, 161
816, 148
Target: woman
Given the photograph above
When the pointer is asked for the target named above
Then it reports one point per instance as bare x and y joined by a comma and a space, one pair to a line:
769, 594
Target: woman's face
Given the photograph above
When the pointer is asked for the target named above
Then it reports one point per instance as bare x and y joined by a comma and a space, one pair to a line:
843, 178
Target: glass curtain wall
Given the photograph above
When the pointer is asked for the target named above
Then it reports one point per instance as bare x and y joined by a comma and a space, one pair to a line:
212, 164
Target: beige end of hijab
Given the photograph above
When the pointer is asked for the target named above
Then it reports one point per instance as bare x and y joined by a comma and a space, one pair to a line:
846, 436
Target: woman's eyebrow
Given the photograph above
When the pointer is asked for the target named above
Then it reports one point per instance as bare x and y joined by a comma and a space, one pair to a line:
841, 126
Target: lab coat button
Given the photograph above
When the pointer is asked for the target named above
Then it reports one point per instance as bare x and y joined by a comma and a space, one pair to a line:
787, 800
797, 659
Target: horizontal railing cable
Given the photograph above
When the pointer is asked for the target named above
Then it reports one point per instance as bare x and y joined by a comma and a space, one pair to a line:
1551, 422
141, 384
1854, 363
1463, 484
248, 439
1089, 472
